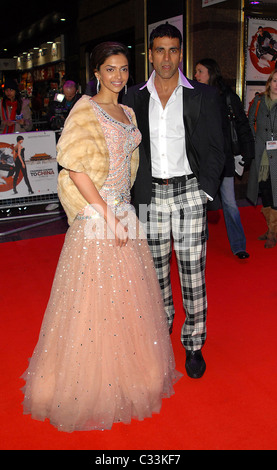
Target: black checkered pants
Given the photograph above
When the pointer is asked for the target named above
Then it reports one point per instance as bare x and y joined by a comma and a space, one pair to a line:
177, 216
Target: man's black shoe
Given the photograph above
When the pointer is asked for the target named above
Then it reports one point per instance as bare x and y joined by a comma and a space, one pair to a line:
195, 364
242, 255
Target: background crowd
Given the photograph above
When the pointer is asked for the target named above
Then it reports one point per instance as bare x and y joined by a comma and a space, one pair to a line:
254, 130
46, 111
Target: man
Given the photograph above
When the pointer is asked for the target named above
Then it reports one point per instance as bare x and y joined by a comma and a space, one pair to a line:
181, 160
60, 107
265, 44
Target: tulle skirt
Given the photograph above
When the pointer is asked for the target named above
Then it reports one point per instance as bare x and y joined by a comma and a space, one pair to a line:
104, 353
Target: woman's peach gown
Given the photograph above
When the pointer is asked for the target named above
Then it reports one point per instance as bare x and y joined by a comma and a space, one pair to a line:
104, 353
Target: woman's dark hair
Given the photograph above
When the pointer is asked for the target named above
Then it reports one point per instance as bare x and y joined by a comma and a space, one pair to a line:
104, 50
17, 98
165, 30
215, 76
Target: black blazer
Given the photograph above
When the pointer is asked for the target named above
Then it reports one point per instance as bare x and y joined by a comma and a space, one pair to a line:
204, 138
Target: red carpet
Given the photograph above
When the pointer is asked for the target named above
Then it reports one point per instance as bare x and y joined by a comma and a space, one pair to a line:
234, 405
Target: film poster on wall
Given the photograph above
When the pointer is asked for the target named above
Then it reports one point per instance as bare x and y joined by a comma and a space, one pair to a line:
28, 165
261, 55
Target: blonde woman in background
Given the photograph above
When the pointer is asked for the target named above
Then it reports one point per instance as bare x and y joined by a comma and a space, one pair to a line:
263, 171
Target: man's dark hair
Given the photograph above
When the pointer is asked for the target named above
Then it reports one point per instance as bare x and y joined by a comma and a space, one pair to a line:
165, 30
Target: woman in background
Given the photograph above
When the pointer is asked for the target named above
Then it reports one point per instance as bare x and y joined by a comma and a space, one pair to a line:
263, 171
208, 72
15, 111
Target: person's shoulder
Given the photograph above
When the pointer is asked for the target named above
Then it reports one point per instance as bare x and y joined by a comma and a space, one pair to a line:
228, 93
206, 90
82, 110
258, 100
209, 93
135, 94
259, 97
138, 86
228, 90
136, 89
26, 101
83, 101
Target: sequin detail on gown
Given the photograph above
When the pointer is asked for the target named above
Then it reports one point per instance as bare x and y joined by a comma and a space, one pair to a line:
104, 353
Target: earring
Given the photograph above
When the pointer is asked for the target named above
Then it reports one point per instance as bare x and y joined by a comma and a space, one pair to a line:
126, 89
98, 85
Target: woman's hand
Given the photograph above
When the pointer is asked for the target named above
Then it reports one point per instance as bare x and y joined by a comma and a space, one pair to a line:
121, 234
119, 230
92, 196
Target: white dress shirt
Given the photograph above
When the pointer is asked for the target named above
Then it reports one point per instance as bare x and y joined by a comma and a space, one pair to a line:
167, 132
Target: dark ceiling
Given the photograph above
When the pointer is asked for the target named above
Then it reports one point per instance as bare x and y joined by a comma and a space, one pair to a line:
20, 29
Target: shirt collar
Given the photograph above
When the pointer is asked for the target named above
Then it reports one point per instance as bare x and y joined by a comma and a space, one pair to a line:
182, 81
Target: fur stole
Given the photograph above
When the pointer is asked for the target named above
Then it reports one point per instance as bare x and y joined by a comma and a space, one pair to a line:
82, 148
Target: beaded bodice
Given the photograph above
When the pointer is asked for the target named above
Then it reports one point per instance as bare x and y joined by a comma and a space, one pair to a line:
121, 140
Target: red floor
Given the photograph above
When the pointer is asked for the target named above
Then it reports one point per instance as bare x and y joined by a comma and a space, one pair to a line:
232, 407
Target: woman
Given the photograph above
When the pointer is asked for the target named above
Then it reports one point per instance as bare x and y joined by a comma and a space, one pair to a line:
20, 165
104, 353
263, 171
15, 111
208, 72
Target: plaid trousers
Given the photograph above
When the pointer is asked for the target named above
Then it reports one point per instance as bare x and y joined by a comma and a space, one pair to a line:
178, 215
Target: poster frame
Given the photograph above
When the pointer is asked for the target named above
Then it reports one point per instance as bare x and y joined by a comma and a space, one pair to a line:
42, 174
255, 82
260, 77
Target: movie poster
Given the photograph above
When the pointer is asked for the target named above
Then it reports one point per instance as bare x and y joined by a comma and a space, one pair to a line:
261, 49
28, 165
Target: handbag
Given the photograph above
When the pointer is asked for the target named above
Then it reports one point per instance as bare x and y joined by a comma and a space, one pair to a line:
256, 113
235, 145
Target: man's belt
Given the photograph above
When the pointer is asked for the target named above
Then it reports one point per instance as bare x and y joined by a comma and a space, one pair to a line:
173, 180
